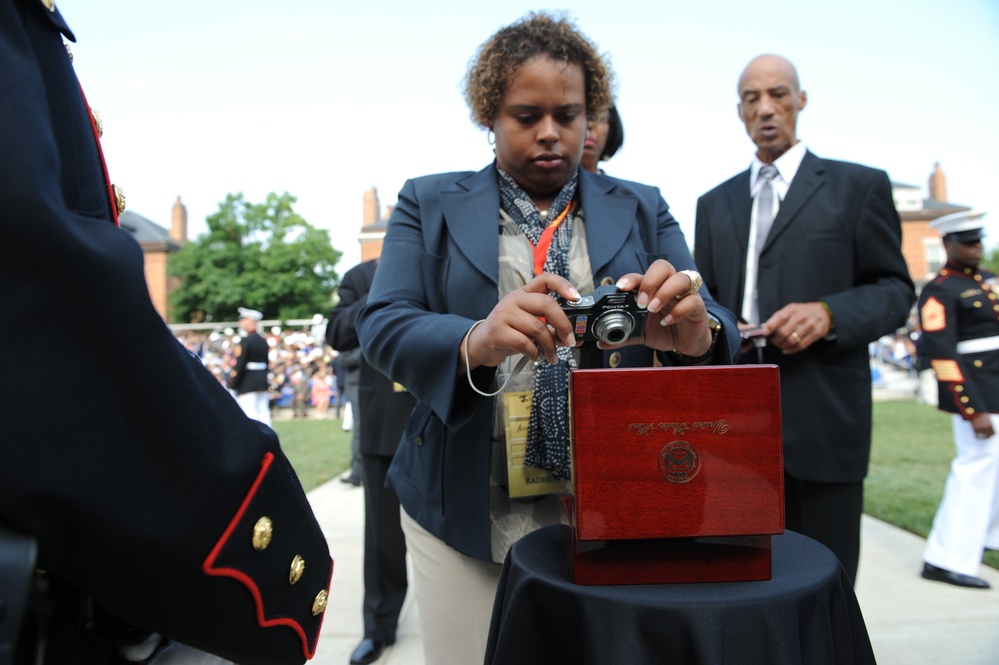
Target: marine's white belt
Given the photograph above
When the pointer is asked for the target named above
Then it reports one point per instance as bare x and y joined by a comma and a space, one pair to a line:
978, 345
264, 365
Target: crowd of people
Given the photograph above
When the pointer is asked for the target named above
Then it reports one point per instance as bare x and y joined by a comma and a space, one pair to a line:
302, 373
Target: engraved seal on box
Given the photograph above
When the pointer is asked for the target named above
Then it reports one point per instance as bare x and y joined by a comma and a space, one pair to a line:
679, 462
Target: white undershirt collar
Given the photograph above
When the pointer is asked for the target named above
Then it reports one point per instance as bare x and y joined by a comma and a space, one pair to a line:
787, 167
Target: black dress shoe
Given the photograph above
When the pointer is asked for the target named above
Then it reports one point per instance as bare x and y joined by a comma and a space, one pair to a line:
351, 480
368, 651
931, 572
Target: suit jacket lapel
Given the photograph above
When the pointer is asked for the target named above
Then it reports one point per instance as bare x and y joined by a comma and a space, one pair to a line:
740, 205
808, 180
471, 216
606, 215
730, 229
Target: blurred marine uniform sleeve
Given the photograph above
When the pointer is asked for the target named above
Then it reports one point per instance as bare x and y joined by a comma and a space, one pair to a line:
150, 494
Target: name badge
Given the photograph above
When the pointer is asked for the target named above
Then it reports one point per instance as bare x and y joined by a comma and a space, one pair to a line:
524, 481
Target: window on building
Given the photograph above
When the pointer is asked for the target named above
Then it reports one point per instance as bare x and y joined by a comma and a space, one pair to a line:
935, 256
907, 199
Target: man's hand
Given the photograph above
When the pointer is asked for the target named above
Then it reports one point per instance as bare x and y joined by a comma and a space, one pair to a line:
982, 423
796, 326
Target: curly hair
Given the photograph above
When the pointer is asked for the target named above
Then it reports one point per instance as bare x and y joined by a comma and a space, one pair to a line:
536, 34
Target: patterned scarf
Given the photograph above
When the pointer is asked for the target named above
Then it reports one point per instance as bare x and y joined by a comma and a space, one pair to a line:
548, 427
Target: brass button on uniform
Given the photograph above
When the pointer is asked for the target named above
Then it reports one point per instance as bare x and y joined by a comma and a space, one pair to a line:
615, 359
978, 363
49, 5
606, 281
959, 389
965, 400
969, 411
319, 606
97, 123
69, 49
263, 531
119, 198
297, 568
978, 304
419, 440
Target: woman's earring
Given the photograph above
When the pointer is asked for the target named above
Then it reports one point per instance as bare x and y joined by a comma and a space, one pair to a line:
491, 137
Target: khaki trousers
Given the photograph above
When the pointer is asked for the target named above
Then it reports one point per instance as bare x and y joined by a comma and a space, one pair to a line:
454, 594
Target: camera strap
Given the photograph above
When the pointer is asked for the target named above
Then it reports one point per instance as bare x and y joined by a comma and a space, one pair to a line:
468, 369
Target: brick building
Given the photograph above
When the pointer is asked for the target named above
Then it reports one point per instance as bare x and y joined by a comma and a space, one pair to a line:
157, 245
921, 245
373, 226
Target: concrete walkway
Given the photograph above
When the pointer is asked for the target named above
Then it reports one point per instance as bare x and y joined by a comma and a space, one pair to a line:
911, 621
340, 508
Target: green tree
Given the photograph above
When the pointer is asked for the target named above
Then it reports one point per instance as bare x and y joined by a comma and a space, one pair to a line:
264, 256
990, 260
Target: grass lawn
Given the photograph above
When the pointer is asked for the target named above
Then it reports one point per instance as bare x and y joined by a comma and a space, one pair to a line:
910, 458
911, 455
318, 449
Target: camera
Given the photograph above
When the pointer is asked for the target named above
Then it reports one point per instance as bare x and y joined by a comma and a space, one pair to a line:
605, 315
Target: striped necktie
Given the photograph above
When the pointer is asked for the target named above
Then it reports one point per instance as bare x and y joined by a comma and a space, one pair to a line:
765, 206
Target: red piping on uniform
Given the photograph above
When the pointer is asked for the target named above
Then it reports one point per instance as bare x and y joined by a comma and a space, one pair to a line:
104, 164
209, 567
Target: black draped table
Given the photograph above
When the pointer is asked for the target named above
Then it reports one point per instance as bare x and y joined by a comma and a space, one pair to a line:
806, 614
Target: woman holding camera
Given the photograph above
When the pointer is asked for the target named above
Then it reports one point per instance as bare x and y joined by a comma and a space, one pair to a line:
464, 291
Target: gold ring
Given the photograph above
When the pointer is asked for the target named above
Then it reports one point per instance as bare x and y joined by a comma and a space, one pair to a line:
695, 283
794, 336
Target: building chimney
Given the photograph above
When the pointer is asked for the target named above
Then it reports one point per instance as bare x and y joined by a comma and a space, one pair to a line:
178, 227
371, 206
938, 184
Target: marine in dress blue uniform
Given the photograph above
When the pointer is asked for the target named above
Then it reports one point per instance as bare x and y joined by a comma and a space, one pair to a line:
163, 516
248, 378
959, 315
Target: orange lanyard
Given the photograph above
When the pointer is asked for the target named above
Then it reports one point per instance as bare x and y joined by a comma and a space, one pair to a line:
545, 241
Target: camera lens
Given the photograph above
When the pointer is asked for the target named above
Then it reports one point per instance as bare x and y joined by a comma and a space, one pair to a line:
613, 327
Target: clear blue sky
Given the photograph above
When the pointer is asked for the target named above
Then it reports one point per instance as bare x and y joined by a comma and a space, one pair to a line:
325, 100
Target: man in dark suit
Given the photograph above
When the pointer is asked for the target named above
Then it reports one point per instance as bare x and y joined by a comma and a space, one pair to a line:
807, 251
249, 375
384, 411
162, 514
349, 363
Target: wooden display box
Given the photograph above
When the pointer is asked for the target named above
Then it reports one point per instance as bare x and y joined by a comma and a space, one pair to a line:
678, 474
